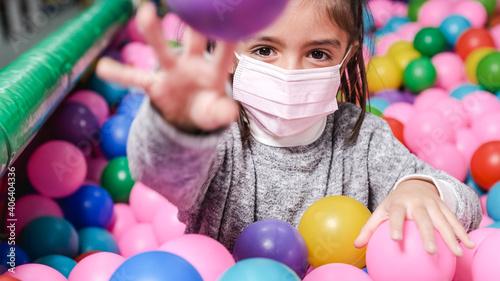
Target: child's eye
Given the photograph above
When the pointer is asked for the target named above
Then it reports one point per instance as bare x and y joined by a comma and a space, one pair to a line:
264, 52
319, 55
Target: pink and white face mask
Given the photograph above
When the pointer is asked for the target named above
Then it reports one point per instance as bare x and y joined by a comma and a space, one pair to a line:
285, 102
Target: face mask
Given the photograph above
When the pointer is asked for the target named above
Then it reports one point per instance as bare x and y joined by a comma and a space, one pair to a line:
285, 102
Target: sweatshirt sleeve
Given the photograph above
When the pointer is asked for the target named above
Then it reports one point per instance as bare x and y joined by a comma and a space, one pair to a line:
389, 162
177, 165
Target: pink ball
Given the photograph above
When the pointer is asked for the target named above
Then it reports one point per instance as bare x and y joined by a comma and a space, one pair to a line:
96, 267
145, 202
446, 157
450, 70
129, 52
428, 98
367, 55
486, 221
464, 264
138, 239
57, 169
483, 199
467, 143
123, 219
133, 31
487, 127
399, 9
173, 27
95, 166
36, 272
381, 11
480, 103
407, 260
434, 12
408, 31
485, 263
495, 33
32, 206
146, 59
453, 112
207, 255
337, 271
425, 130
95, 102
400, 111
385, 42
166, 225
473, 11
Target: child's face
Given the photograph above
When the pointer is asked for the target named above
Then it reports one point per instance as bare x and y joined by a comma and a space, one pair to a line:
303, 37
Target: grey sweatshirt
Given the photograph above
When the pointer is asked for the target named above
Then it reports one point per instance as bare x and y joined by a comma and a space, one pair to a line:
220, 187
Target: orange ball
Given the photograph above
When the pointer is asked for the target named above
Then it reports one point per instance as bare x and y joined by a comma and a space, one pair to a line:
473, 39
485, 164
397, 128
8, 278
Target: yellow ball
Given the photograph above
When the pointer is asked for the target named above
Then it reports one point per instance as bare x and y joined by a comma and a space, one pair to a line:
398, 47
404, 57
382, 74
473, 60
330, 226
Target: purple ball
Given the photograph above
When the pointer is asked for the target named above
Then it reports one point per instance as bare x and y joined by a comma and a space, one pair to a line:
231, 20
409, 97
276, 240
74, 122
391, 96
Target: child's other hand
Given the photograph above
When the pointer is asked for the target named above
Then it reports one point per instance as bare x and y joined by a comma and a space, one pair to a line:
418, 201
188, 89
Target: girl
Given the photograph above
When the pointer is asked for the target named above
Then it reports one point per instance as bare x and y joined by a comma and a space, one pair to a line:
292, 144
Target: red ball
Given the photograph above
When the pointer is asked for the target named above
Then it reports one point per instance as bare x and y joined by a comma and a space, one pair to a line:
473, 39
397, 128
485, 164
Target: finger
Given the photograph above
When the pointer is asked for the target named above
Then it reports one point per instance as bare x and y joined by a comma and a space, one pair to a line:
110, 70
194, 42
369, 228
397, 216
224, 59
426, 228
444, 227
210, 111
150, 27
457, 227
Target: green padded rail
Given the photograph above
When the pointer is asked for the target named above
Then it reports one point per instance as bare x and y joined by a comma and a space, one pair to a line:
32, 86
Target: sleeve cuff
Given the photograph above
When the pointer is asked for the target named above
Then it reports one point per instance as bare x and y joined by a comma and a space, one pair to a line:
445, 189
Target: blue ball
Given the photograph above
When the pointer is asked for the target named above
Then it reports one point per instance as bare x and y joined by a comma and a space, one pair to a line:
365, 270
379, 103
381, 32
472, 184
130, 105
96, 239
369, 42
453, 26
463, 90
90, 205
498, 95
395, 23
258, 269
493, 202
60, 263
114, 133
368, 22
11, 259
495, 225
113, 93
156, 266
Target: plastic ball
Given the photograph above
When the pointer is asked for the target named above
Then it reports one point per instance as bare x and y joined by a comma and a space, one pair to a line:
95, 102
173, 27
405, 57
473, 39
385, 42
123, 218
395, 23
495, 34
400, 111
115, 133
485, 167
414, 9
259, 269
90, 206
396, 127
420, 75
467, 143
453, 26
392, 96
166, 225
36, 272
145, 202
487, 252
493, 202
488, 72
96, 239
373, 110
473, 11
113, 93
86, 254
473, 60
8, 278
399, 46
156, 266
483, 199
97, 267
432, 13
263, 238
463, 90
117, 180
425, 130
133, 32
389, 260
463, 271
486, 222
337, 271
480, 103
11, 259
408, 31
95, 166
430, 41
57, 169
139, 238
231, 21
60, 263
453, 112
450, 70
130, 50
428, 98
489, 5
383, 74
210, 258
48, 235
445, 157
130, 105
487, 127
32, 206
379, 103
334, 243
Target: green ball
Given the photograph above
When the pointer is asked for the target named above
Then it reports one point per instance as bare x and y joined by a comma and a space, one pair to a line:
489, 5
60, 263
374, 110
117, 180
420, 75
413, 9
430, 41
49, 235
488, 72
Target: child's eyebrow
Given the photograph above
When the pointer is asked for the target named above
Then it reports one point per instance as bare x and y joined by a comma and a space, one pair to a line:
332, 42
270, 39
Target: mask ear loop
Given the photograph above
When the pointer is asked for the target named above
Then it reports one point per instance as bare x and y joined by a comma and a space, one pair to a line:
345, 57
